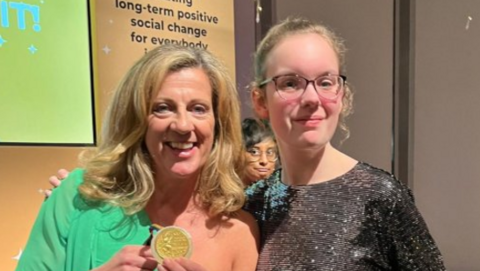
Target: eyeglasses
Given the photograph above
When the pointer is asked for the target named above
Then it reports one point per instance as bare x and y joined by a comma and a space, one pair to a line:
292, 86
256, 154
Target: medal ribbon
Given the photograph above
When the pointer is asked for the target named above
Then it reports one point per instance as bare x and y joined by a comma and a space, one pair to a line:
154, 228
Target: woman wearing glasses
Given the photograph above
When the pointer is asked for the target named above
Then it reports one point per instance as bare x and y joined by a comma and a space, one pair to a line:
324, 210
260, 150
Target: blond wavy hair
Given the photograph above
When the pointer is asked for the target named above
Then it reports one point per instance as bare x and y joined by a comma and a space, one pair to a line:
292, 26
119, 170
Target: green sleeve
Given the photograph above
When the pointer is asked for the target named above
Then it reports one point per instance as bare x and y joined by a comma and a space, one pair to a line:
46, 246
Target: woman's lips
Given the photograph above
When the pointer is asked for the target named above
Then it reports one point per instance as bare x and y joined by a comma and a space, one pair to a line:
309, 121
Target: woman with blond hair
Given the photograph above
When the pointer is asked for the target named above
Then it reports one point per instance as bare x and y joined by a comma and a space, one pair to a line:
169, 154
324, 210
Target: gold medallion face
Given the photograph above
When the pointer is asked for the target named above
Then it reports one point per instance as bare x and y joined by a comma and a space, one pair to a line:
171, 242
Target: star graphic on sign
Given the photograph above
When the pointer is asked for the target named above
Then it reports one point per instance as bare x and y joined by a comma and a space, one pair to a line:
2, 41
32, 49
106, 49
18, 255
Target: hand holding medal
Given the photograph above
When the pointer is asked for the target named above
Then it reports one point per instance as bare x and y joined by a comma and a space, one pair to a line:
169, 242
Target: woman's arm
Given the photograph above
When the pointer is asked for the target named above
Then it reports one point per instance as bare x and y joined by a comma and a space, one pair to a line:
46, 246
413, 246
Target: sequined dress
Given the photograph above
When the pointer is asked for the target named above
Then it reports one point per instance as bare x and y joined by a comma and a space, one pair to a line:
363, 220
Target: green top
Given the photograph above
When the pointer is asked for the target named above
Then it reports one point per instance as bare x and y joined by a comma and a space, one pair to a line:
70, 235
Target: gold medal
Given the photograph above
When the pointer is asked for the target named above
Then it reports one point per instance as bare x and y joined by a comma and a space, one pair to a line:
171, 242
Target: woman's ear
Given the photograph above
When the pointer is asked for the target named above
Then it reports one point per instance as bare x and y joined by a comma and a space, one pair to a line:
259, 103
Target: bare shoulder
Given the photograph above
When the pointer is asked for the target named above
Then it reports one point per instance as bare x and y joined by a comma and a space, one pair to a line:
244, 219
243, 239
243, 224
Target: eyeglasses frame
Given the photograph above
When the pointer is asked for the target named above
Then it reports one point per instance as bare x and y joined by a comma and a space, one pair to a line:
274, 78
258, 157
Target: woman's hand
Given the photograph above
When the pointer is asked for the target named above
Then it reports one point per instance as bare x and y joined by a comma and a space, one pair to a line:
131, 258
56, 180
140, 258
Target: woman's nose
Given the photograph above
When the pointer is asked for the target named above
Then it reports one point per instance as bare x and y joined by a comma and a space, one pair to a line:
310, 96
263, 159
182, 124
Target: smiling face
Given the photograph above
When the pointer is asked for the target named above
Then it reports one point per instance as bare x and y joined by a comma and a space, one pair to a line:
259, 161
310, 120
181, 125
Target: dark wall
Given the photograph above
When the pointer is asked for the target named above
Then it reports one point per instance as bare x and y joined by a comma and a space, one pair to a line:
244, 48
446, 150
